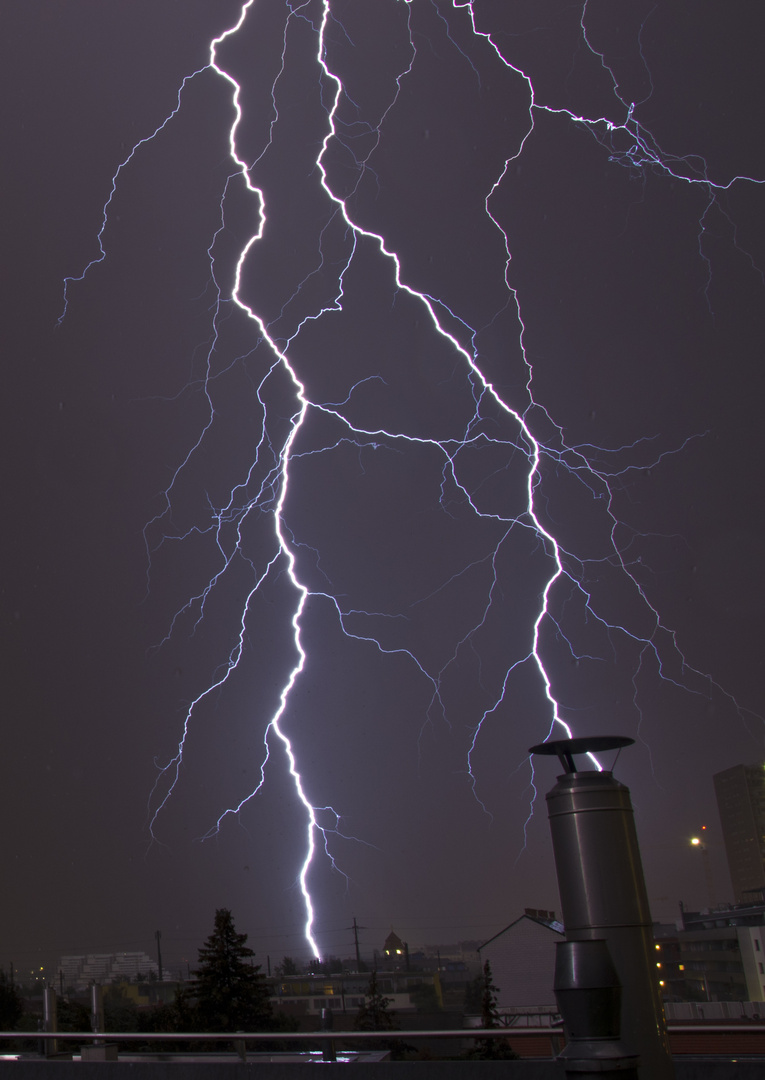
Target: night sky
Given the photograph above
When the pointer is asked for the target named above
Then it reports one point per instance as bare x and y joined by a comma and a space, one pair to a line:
601, 310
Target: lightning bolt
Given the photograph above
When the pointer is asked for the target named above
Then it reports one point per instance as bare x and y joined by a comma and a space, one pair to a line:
496, 457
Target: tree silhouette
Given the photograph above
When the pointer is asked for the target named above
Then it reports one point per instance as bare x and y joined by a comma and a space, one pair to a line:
374, 1013
230, 991
11, 1005
490, 1049
287, 967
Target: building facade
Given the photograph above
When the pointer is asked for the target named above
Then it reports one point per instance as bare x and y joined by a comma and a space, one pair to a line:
722, 953
344, 994
740, 793
78, 972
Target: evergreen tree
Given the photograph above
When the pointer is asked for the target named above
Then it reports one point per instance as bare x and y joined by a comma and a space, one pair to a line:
231, 993
490, 1049
374, 1013
489, 1010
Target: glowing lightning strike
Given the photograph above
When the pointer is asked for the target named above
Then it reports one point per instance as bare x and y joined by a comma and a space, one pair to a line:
316, 426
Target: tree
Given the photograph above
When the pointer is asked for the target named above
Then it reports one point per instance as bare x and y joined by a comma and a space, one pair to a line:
177, 1015
489, 1010
424, 996
473, 995
374, 1013
231, 993
72, 1015
490, 1049
120, 1013
287, 967
331, 965
11, 1005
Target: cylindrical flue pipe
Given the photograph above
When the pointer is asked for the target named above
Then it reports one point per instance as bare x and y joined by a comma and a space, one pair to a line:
97, 1009
603, 894
50, 1019
328, 1046
589, 997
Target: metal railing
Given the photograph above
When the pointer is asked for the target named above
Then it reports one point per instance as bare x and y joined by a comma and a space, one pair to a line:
328, 1039
337, 1033
268, 1036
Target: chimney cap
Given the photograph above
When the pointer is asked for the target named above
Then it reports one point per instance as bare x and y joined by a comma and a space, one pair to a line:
565, 749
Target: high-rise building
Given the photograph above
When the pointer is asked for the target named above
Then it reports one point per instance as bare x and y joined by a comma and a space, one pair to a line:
740, 795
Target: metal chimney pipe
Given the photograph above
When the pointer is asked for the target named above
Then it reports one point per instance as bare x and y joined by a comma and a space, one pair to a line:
50, 1019
589, 997
97, 1010
602, 891
328, 1046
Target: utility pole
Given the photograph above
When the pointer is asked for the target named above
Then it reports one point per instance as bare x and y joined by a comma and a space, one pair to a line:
356, 941
158, 936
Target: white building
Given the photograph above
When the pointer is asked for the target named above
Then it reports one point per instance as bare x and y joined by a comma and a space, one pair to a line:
79, 972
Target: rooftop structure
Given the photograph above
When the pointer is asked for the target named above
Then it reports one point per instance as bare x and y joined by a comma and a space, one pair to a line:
522, 959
